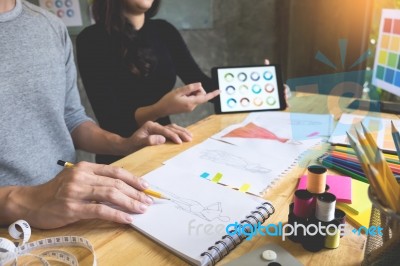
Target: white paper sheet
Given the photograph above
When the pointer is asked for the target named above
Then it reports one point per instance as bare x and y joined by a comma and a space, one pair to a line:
379, 127
278, 126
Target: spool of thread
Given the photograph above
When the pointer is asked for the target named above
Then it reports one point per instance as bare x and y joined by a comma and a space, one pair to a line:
315, 241
332, 238
325, 210
304, 203
340, 218
292, 219
316, 179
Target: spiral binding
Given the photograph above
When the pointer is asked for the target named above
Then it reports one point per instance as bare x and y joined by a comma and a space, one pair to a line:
293, 165
227, 243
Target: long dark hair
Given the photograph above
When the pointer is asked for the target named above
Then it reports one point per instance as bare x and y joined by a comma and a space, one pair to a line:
134, 52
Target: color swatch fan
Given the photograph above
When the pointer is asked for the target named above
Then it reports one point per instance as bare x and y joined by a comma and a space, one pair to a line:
387, 60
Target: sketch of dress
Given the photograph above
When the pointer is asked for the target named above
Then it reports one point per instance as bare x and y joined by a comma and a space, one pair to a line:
225, 158
209, 212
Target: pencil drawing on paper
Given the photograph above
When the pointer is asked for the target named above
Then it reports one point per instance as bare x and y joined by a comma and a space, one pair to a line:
225, 158
210, 212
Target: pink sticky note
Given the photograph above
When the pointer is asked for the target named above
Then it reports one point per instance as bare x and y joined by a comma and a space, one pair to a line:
340, 186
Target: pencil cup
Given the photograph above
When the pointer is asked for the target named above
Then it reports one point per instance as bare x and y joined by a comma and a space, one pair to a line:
316, 179
382, 249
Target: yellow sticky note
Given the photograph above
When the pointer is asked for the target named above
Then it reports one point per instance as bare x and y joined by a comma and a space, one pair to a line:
245, 188
216, 178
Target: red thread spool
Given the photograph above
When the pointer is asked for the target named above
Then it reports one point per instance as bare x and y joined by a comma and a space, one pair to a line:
304, 203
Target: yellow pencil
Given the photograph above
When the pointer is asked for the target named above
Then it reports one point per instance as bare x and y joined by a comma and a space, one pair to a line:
385, 190
387, 198
360, 155
146, 191
380, 161
155, 194
369, 138
365, 146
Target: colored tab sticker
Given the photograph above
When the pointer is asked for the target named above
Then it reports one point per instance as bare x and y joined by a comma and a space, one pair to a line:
217, 178
245, 188
204, 175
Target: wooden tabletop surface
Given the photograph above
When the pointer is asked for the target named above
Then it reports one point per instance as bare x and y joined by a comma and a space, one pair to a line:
116, 244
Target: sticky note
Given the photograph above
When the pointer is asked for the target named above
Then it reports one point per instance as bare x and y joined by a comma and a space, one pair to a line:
244, 188
217, 178
204, 175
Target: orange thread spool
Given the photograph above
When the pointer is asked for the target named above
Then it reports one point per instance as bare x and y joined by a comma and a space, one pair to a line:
316, 179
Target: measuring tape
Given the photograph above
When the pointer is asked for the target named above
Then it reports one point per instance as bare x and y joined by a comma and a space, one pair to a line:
20, 231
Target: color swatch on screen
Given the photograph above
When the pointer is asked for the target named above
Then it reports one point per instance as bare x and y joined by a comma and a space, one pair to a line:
387, 59
248, 88
69, 11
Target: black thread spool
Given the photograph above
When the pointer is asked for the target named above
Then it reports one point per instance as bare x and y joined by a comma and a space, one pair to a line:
340, 218
315, 242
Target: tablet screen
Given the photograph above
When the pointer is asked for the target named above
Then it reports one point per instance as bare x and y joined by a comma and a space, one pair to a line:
248, 88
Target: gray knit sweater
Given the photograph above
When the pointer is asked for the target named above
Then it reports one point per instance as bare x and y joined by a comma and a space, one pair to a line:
39, 99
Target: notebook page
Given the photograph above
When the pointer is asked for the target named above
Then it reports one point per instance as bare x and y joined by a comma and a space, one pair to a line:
197, 214
251, 168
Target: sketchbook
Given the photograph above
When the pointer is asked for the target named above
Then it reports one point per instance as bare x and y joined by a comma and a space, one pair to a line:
193, 223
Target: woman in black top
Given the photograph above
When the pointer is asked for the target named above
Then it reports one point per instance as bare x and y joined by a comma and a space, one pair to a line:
129, 63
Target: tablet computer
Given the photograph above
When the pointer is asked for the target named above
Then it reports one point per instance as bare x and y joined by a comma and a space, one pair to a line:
249, 88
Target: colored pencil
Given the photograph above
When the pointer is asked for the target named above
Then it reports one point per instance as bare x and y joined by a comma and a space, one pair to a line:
389, 157
342, 169
396, 139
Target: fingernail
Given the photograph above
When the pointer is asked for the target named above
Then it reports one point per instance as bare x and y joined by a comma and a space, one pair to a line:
128, 218
144, 184
148, 200
143, 207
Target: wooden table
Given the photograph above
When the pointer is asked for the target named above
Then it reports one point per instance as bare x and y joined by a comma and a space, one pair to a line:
121, 245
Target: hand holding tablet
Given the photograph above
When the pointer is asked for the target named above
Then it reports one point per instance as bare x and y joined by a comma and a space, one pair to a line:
249, 88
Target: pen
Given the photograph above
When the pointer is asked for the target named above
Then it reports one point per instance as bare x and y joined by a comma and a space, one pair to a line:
146, 191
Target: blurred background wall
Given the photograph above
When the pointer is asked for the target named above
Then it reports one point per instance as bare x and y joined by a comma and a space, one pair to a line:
288, 32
